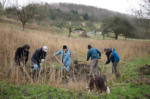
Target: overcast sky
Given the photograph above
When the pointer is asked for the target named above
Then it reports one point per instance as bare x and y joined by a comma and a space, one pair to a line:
123, 6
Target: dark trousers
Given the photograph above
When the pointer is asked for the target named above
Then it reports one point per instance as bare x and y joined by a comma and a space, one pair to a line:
116, 69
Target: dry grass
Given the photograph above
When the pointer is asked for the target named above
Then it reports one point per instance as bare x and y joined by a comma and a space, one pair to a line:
10, 39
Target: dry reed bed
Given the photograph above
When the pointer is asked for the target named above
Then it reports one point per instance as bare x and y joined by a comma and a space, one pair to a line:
10, 39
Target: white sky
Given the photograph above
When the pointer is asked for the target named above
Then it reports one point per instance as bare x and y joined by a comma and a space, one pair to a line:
123, 6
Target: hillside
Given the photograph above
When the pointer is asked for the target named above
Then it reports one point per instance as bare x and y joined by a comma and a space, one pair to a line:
93, 12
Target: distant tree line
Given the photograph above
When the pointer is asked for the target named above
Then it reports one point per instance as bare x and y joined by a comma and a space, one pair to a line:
79, 17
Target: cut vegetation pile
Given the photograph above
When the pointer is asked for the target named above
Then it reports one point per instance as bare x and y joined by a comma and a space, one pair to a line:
145, 70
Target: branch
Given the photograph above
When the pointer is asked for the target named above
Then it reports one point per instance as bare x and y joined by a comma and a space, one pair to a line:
3, 3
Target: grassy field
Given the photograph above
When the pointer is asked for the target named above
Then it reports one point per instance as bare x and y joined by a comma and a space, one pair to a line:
133, 54
119, 90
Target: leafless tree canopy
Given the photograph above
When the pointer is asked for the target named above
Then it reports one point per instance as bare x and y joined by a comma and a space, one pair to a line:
3, 2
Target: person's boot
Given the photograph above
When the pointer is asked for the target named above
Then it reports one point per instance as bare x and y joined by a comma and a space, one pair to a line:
118, 75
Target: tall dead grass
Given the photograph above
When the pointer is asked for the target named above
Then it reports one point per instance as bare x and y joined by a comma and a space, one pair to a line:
11, 39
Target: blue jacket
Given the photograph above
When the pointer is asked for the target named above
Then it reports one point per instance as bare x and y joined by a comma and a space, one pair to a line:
65, 58
114, 57
93, 53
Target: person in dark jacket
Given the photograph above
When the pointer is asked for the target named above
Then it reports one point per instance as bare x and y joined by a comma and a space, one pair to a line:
94, 54
38, 56
113, 57
22, 54
21, 58
107, 52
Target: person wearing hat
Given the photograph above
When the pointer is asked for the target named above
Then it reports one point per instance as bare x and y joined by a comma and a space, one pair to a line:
65, 58
38, 56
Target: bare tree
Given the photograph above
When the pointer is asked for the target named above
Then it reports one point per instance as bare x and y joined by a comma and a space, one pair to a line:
146, 7
144, 11
25, 14
71, 26
3, 2
143, 18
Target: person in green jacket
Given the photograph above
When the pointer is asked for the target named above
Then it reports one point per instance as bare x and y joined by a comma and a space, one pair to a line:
95, 55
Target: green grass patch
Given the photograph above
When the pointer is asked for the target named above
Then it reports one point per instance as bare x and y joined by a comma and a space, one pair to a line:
123, 90
129, 91
119, 90
9, 91
129, 69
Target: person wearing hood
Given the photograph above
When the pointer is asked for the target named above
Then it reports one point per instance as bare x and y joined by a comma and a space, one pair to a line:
38, 56
95, 55
113, 57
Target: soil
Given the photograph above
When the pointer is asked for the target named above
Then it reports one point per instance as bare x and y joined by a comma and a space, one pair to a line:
145, 70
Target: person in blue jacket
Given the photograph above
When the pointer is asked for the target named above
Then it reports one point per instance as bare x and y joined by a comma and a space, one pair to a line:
113, 57
95, 55
65, 58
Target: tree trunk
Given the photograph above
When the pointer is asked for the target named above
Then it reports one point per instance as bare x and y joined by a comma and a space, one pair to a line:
23, 26
103, 36
125, 37
70, 30
116, 36
95, 33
